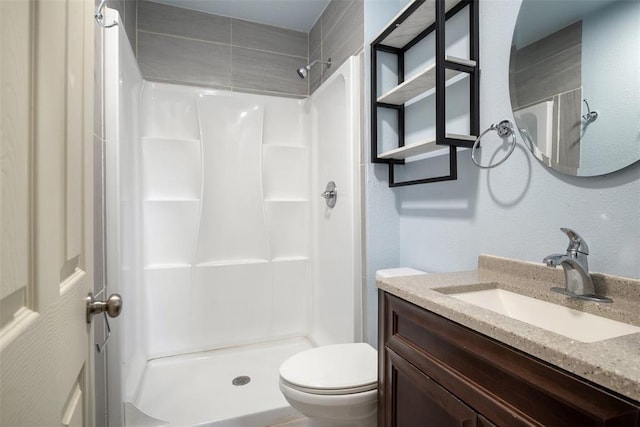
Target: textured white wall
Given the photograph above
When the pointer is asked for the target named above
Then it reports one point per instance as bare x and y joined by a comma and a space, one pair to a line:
381, 216
515, 210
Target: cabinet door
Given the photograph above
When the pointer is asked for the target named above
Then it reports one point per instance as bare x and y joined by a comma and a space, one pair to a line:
483, 422
417, 400
508, 387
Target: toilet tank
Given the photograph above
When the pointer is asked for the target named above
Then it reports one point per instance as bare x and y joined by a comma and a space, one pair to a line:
397, 272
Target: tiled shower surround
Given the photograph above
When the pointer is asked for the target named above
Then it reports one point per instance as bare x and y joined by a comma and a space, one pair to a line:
177, 45
184, 46
338, 34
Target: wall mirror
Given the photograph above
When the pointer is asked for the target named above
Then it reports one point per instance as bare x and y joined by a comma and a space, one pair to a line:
574, 83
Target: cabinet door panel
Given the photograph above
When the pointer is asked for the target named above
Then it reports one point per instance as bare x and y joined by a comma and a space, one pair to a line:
483, 422
508, 387
420, 401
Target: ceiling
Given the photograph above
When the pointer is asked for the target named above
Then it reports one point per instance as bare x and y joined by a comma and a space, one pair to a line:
299, 15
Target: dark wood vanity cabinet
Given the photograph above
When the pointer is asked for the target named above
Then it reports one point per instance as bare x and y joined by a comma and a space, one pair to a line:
434, 372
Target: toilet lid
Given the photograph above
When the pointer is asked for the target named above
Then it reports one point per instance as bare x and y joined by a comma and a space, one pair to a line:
340, 367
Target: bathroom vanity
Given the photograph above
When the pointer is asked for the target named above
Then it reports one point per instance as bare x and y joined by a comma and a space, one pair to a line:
443, 361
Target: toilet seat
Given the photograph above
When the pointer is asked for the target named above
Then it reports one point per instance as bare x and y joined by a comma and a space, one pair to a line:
332, 370
331, 391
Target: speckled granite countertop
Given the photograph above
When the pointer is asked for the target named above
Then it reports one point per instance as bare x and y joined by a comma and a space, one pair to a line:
613, 363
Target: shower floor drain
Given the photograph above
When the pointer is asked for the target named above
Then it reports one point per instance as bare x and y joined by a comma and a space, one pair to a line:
241, 380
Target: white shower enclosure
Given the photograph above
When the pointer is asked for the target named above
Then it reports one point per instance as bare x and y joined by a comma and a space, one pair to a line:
219, 241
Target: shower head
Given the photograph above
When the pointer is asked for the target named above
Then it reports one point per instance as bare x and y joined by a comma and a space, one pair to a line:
304, 70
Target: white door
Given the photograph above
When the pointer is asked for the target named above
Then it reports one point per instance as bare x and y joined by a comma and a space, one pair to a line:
46, 76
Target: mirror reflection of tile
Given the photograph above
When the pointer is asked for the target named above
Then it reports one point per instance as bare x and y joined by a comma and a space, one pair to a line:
546, 90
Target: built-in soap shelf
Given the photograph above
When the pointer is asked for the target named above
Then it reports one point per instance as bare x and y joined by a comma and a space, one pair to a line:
292, 146
290, 258
223, 263
170, 139
422, 82
286, 200
423, 147
166, 266
226, 262
171, 200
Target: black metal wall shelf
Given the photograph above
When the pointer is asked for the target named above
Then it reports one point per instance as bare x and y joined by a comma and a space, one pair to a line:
415, 22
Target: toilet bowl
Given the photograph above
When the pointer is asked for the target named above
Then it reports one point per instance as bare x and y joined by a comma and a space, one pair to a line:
336, 385
333, 385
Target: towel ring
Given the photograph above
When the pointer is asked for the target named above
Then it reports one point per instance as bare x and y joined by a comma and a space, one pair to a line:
100, 17
504, 129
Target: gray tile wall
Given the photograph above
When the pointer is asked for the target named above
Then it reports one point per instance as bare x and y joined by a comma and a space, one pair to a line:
569, 130
551, 68
338, 34
182, 46
547, 67
129, 14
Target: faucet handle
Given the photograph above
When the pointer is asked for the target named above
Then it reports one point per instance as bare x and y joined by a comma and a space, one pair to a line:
576, 243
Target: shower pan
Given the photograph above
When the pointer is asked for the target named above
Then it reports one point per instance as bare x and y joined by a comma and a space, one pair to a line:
227, 258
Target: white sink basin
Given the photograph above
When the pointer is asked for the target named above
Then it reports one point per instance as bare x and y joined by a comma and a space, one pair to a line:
574, 324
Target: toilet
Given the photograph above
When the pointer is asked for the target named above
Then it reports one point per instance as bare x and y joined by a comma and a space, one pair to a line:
333, 385
336, 385
397, 272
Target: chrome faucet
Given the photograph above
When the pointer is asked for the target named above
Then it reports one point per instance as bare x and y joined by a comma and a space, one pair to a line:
578, 283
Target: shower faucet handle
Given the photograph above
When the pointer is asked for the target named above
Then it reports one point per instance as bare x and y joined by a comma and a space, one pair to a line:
330, 194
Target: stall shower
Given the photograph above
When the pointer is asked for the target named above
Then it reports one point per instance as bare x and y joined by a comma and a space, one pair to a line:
227, 258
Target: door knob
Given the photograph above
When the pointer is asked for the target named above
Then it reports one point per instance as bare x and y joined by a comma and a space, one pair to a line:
112, 306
